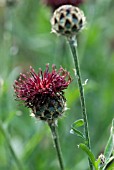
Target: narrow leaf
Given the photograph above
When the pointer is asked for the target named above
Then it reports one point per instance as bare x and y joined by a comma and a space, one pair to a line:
88, 152
109, 164
78, 123
110, 144
78, 133
75, 125
97, 163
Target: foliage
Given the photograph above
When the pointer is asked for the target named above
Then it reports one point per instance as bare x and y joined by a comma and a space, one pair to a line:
25, 40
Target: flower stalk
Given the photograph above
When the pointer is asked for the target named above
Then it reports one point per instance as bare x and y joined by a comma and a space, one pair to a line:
56, 144
82, 97
68, 20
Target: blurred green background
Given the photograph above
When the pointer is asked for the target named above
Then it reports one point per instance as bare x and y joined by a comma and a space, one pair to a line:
25, 40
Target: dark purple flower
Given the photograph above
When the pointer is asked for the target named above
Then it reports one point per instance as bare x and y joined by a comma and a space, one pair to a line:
43, 92
57, 3
11, 3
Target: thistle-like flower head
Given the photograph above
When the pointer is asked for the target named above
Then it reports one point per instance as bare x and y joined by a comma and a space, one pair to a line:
43, 92
11, 3
57, 3
68, 20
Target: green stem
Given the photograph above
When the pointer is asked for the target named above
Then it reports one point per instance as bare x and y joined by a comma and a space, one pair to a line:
7, 138
82, 98
56, 143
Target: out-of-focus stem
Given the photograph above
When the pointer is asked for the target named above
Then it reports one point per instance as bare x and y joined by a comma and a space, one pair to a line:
7, 138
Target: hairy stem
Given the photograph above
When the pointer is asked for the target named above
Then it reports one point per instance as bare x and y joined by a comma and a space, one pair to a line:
56, 143
7, 138
82, 97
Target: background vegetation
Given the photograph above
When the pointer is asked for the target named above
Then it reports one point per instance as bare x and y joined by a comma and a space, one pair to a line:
25, 40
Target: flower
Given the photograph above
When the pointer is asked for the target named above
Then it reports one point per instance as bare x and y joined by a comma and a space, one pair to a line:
43, 92
57, 3
68, 20
11, 3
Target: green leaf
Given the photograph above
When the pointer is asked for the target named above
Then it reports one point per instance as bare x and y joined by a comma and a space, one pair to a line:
78, 123
90, 154
110, 144
78, 133
97, 163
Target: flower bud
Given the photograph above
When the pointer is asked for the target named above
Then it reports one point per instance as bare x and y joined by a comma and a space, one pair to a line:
68, 20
